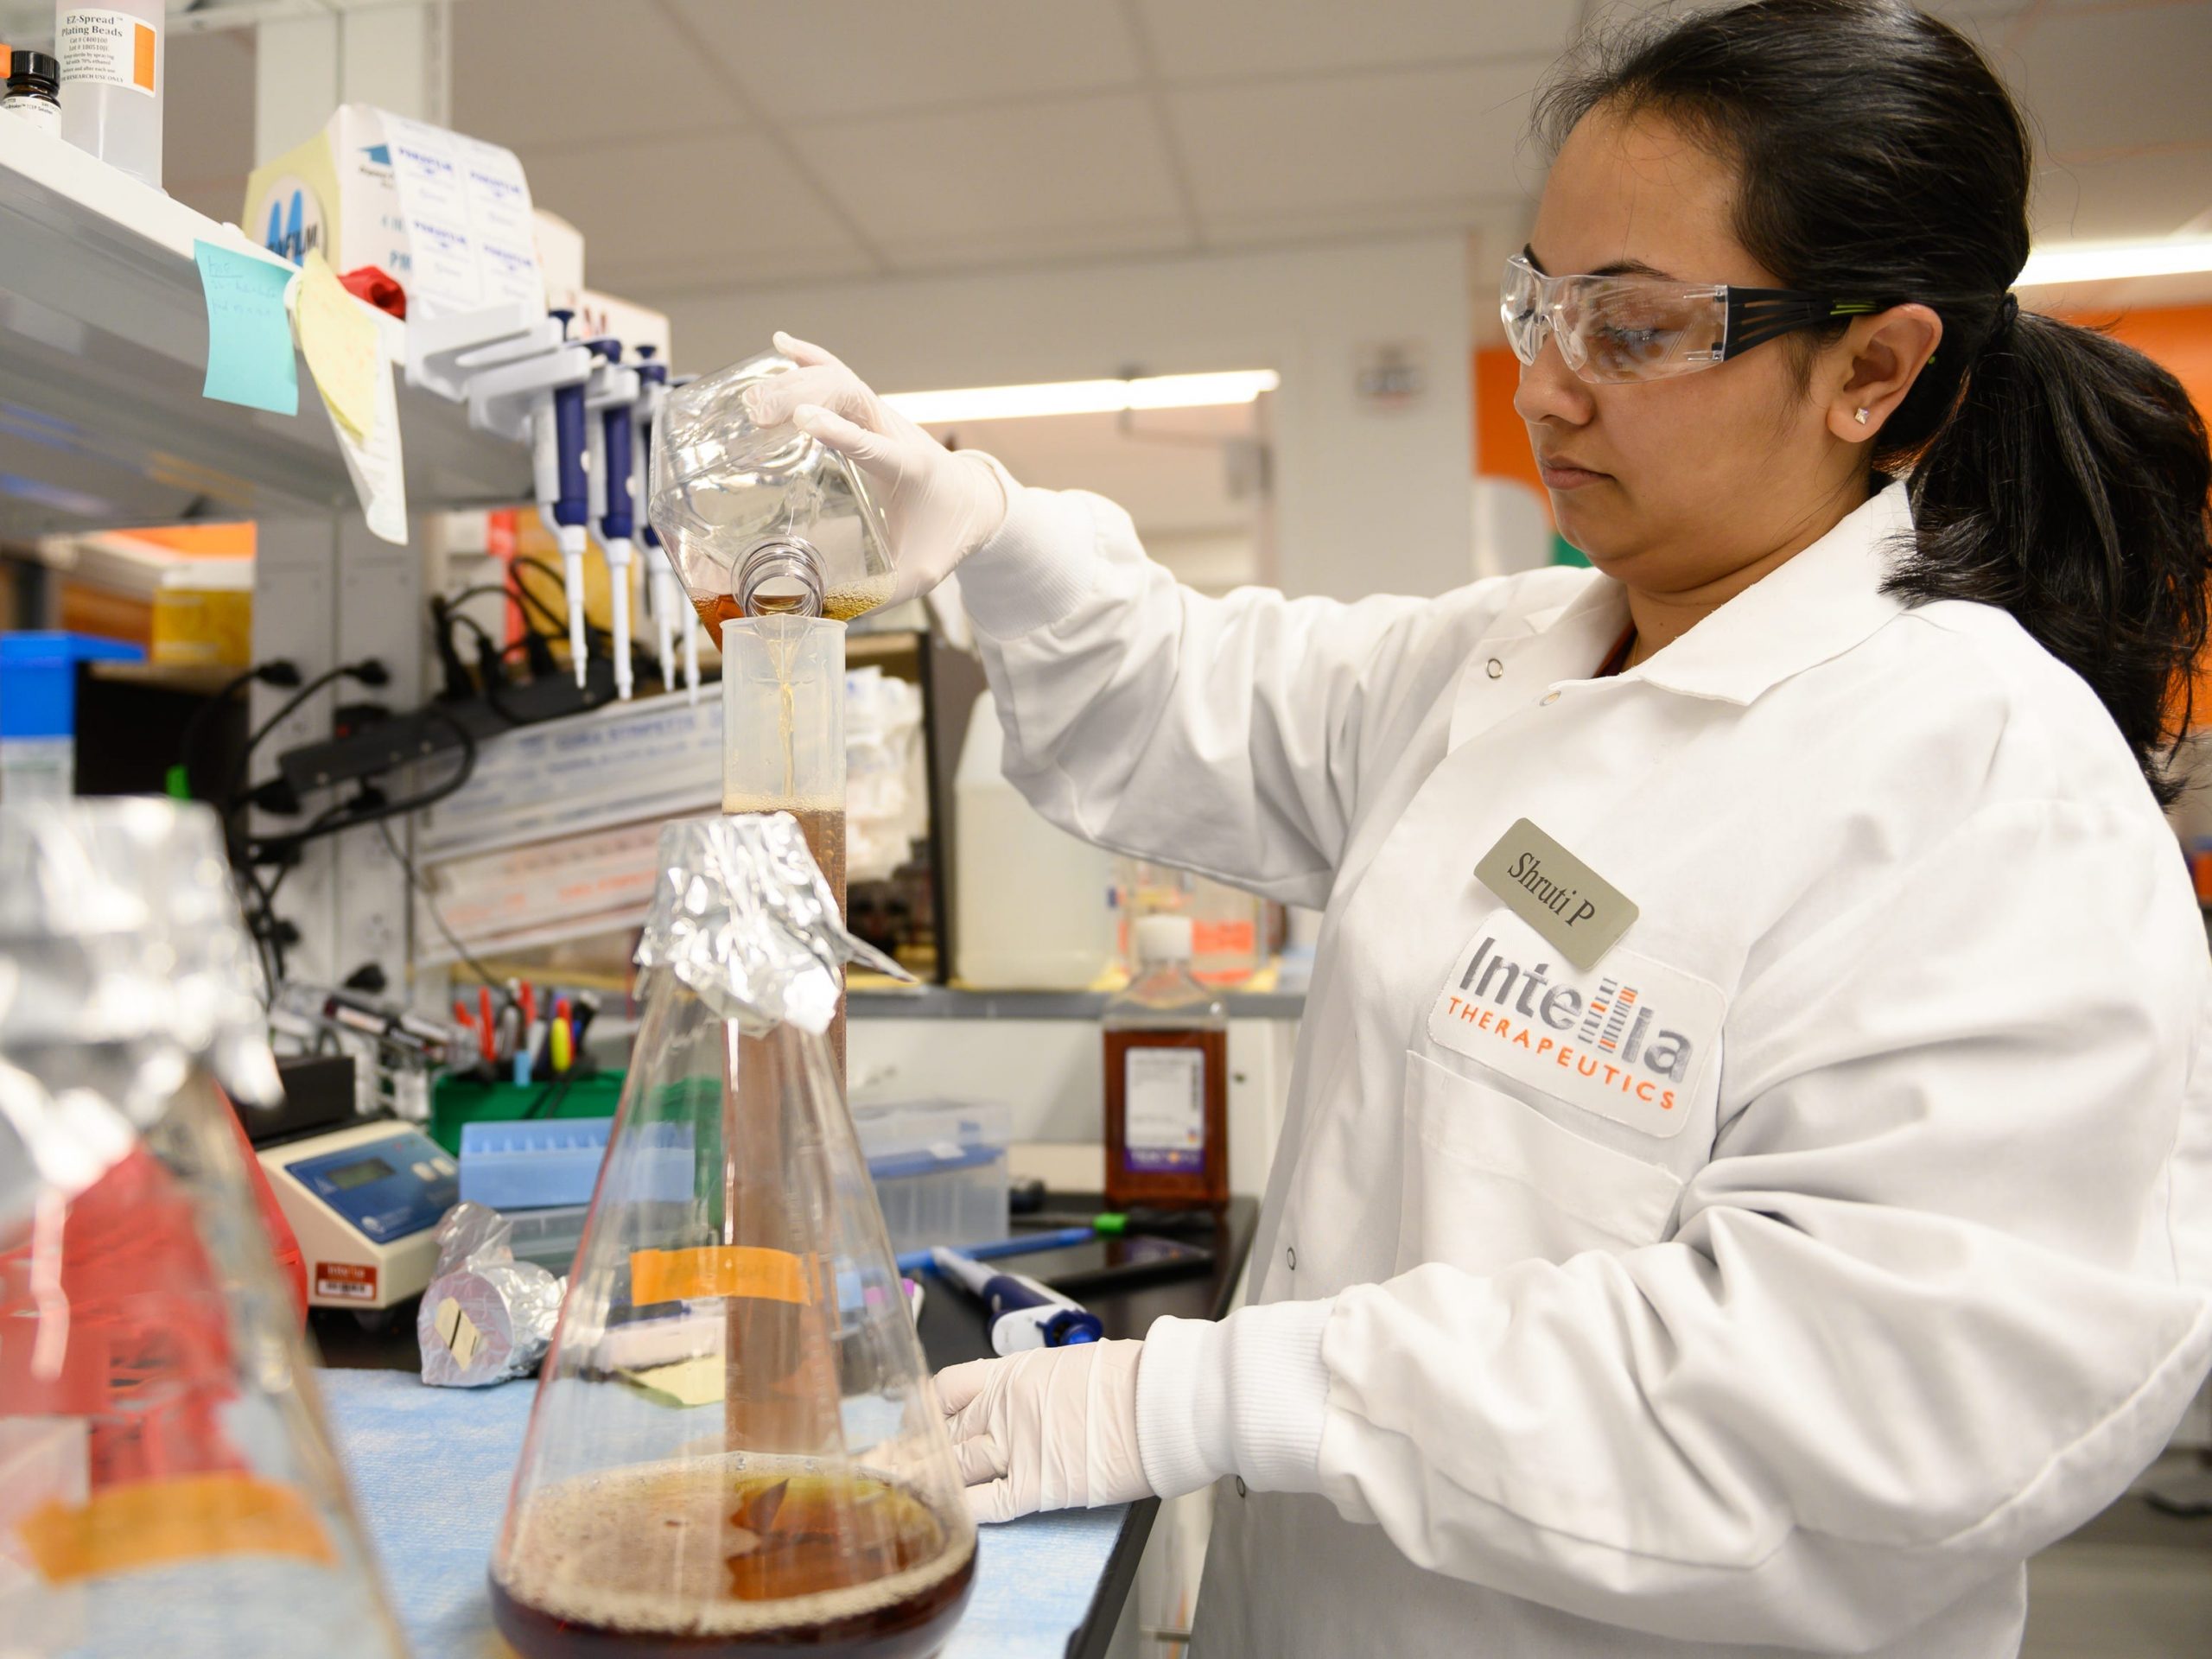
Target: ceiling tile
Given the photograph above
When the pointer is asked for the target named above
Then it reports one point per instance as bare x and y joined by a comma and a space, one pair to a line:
1081, 162
1232, 38
536, 72
652, 212
208, 117
2115, 197
2114, 76
832, 59
1356, 140
1003, 248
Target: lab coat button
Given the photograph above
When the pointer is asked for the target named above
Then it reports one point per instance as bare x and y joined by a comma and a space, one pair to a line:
1240, 1485
1291, 1256
1494, 668
1549, 698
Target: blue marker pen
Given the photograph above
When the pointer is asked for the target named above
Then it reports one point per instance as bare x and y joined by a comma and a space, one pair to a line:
1024, 1313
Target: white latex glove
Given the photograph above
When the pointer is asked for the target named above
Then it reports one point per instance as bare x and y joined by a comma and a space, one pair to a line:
938, 507
1054, 1429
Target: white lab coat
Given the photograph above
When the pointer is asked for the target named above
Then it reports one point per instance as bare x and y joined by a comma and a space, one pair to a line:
1811, 1356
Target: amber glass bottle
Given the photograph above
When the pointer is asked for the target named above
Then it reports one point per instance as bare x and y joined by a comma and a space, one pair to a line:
1166, 1040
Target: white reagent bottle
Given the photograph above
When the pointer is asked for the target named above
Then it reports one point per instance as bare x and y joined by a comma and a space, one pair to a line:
114, 62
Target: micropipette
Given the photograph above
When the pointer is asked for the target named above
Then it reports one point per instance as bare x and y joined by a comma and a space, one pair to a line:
558, 449
612, 393
1024, 1313
667, 596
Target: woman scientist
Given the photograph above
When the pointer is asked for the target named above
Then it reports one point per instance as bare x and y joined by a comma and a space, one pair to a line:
1727, 1194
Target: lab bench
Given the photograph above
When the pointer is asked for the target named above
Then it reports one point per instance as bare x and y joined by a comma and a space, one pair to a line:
430, 1469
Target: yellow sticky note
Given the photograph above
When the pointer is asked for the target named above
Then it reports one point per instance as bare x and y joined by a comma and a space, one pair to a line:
339, 337
686, 1382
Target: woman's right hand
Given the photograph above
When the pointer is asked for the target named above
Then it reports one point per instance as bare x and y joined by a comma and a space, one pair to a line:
939, 506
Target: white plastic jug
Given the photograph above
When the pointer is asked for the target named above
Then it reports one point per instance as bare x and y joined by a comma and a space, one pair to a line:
1031, 910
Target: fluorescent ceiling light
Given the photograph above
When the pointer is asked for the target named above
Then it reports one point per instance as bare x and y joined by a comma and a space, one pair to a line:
2101, 262
1084, 396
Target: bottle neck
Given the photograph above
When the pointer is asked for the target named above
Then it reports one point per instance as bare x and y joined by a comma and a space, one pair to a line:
780, 578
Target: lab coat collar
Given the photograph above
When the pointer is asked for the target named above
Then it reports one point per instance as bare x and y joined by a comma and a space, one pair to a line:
1816, 607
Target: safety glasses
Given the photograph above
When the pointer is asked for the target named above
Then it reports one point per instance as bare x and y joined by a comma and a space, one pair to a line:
1612, 329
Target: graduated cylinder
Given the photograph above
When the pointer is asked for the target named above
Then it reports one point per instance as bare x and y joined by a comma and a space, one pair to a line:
784, 737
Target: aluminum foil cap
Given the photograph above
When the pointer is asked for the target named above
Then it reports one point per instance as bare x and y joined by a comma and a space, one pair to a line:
123, 959
745, 918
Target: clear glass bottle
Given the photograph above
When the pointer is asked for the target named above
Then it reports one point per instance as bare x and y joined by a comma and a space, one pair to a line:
761, 518
1166, 1043
736, 1448
167, 1482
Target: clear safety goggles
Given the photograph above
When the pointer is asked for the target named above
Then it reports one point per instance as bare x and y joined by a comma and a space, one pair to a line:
1612, 329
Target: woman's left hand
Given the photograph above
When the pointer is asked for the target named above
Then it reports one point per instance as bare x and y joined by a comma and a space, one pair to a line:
1054, 1429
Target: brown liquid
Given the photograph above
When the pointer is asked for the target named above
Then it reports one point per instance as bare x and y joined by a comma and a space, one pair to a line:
1208, 1184
724, 1561
839, 605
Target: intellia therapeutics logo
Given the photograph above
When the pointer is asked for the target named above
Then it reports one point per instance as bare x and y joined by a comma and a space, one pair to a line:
1626, 1041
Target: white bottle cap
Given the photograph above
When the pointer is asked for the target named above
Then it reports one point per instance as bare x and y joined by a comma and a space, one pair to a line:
1163, 938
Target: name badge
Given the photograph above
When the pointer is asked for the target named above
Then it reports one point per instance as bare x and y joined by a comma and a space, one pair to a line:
1573, 909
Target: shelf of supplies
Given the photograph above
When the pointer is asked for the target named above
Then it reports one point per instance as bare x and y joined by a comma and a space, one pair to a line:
103, 348
954, 1002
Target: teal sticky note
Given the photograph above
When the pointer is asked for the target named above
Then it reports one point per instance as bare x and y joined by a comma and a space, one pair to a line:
249, 336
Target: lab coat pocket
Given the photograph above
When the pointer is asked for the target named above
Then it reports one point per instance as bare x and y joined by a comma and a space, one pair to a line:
1489, 1180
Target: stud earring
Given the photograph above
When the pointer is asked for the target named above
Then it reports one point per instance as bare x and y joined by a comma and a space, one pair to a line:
1860, 416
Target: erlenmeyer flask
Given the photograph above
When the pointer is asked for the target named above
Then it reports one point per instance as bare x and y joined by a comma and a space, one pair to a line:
167, 1484
761, 518
735, 1447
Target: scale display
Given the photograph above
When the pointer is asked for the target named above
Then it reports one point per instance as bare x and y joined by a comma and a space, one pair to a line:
388, 1189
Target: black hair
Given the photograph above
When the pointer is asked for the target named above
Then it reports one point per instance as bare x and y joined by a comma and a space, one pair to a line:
2053, 471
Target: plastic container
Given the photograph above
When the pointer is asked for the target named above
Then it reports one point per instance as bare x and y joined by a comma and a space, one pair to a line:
33, 94
456, 1103
114, 68
540, 1165
784, 739
1032, 909
939, 1168
1166, 1043
549, 1237
203, 615
761, 518
1226, 922
38, 709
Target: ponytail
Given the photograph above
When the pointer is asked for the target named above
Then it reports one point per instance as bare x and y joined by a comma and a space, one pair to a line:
2054, 471
2070, 485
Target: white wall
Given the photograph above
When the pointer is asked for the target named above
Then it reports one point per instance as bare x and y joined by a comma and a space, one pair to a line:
1366, 500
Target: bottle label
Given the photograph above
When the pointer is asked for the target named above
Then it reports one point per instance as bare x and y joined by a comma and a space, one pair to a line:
42, 113
107, 49
1164, 1108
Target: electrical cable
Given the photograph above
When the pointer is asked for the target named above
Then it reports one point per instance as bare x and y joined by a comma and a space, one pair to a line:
277, 671
368, 671
431, 903
279, 846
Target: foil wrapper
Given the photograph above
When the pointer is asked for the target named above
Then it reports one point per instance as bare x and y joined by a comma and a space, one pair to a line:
124, 967
743, 917
485, 1316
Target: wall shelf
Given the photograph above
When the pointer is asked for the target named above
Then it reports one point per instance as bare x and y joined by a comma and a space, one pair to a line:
103, 347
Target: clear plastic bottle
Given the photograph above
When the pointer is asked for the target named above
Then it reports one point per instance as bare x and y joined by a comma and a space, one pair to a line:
1166, 1042
167, 1482
114, 68
735, 1448
761, 518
